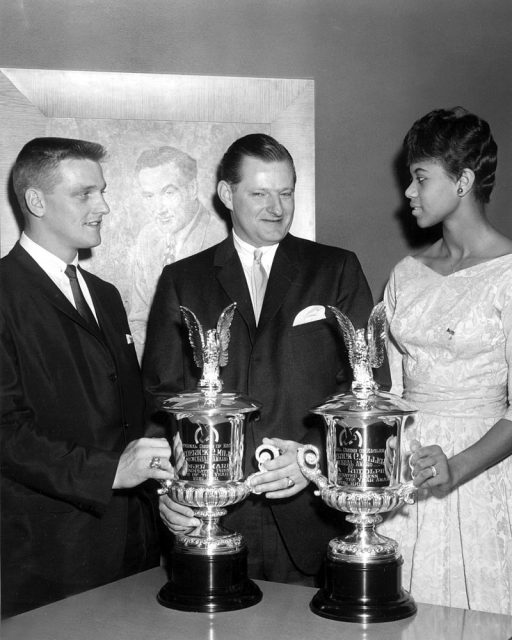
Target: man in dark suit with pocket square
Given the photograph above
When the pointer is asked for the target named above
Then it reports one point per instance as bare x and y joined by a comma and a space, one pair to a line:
74, 513
285, 351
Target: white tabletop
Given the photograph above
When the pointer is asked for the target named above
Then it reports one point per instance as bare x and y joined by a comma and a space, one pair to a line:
128, 610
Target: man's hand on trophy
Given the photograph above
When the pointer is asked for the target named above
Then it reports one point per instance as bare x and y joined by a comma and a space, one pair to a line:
177, 518
143, 459
279, 476
430, 468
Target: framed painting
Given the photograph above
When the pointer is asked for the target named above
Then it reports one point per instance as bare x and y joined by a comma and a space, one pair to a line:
182, 122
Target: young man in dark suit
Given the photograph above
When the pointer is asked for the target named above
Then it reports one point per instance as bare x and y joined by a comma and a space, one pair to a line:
74, 515
285, 350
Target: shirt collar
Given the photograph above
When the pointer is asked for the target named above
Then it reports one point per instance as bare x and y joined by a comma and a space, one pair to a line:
246, 252
47, 260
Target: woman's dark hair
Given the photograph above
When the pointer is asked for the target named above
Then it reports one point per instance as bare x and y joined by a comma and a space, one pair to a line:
458, 140
255, 145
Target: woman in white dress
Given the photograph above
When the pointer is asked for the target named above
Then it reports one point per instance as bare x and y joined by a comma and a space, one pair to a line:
450, 349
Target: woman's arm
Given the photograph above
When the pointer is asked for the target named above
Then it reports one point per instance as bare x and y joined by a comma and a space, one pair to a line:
493, 447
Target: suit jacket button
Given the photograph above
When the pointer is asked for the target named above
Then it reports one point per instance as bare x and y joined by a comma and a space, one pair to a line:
113, 377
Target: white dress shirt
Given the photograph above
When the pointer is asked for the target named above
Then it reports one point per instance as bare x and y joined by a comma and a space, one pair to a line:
246, 254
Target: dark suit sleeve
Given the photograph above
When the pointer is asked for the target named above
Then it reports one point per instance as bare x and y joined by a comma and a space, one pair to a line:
354, 295
354, 299
163, 363
37, 458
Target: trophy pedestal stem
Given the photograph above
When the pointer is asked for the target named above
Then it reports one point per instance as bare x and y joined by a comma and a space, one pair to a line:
210, 527
364, 544
209, 582
363, 592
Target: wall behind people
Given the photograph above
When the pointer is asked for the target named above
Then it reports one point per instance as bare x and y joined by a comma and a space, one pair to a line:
377, 66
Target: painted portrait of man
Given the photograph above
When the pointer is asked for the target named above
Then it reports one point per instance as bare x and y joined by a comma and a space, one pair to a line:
178, 226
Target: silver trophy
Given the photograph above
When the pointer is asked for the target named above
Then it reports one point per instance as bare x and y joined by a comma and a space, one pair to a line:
366, 476
208, 569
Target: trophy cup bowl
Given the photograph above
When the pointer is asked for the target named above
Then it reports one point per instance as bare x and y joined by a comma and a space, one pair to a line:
366, 476
208, 565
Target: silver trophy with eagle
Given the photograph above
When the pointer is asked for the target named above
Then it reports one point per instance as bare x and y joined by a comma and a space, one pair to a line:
208, 565
366, 476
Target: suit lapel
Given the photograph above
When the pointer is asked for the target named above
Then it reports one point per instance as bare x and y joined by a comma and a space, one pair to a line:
99, 306
284, 271
46, 287
231, 277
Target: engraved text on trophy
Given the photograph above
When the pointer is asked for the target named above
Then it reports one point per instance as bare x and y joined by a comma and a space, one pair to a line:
361, 454
209, 452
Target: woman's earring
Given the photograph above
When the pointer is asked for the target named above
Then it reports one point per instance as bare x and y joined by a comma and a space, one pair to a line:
459, 191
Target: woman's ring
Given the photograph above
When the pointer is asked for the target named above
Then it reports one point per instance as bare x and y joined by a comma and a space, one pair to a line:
290, 483
155, 463
434, 471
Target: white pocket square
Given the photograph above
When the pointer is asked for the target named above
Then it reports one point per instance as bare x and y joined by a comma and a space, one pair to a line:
310, 314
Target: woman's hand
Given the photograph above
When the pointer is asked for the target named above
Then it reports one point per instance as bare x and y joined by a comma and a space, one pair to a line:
430, 468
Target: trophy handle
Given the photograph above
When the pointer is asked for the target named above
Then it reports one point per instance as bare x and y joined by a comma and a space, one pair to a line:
308, 459
407, 491
165, 486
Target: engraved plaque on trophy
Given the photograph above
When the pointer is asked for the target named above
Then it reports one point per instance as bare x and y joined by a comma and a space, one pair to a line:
208, 567
365, 477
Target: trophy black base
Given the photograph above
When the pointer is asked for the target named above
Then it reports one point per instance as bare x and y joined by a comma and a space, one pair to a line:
363, 592
209, 583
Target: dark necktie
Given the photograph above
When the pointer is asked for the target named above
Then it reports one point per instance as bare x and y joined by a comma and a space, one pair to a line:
81, 304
